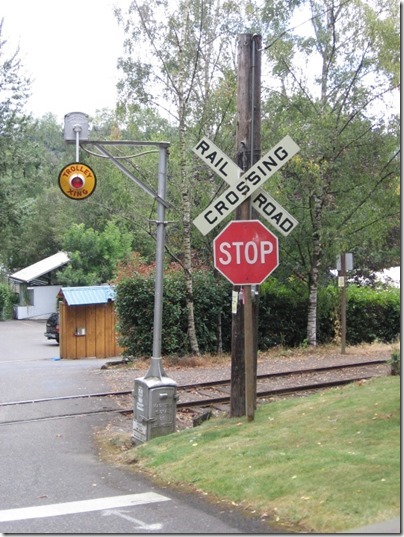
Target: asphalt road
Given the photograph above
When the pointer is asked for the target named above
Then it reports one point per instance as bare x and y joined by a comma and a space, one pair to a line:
51, 479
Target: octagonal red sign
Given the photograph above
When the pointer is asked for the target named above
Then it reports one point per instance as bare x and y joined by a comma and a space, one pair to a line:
246, 252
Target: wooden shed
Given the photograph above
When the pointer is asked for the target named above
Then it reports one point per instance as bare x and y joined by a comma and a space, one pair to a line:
88, 322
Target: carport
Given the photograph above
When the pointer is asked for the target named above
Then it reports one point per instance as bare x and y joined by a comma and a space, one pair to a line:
37, 287
88, 322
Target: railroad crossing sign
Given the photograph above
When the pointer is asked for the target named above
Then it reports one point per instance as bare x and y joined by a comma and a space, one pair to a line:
246, 252
244, 185
77, 181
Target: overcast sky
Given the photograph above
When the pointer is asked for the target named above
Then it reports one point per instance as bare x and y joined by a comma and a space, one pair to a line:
70, 51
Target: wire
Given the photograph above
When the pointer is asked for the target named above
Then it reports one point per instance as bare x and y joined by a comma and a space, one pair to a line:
118, 158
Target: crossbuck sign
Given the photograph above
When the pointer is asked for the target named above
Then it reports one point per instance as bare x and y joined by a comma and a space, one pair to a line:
244, 185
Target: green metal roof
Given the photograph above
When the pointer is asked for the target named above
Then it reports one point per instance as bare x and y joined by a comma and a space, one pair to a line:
80, 296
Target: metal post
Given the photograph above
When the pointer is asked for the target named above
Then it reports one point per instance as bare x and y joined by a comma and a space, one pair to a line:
77, 131
154, 394
156, 367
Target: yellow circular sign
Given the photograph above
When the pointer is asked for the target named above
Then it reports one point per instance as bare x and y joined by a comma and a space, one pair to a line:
77, 181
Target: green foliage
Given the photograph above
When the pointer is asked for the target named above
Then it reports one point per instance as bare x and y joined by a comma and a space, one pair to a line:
32, 212
135, 305
282, 314
372, 314
395, 363
328, 313
343, 186
93, 254
7, 299
212, 298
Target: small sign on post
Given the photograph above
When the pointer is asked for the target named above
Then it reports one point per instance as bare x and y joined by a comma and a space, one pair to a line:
344, 263
348, 262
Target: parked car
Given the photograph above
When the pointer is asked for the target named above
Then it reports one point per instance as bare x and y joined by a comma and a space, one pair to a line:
52, 327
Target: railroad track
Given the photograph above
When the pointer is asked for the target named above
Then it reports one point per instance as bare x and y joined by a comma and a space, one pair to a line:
194, 399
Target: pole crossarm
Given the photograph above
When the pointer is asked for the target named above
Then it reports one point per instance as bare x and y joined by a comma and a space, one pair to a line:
122, 142
121, 167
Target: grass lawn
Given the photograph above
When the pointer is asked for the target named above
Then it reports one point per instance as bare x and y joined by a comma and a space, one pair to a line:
323, 463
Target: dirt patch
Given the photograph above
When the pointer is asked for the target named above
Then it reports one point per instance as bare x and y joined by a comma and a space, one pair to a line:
115, 439
205, 368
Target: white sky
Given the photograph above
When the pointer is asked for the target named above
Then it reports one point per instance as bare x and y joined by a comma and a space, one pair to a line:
69, 49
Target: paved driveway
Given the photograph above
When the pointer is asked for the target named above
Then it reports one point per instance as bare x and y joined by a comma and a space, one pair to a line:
51, 480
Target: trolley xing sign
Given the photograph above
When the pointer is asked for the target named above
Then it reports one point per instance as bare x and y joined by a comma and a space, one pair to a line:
245, 185
77, 181
245, 252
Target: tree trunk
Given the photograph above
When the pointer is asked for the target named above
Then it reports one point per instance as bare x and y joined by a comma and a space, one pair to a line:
313, 278
312, 313
186, 222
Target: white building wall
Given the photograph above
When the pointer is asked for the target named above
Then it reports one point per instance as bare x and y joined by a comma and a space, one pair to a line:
43, 303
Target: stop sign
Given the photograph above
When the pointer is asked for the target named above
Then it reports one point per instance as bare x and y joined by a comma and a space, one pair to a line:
246, 252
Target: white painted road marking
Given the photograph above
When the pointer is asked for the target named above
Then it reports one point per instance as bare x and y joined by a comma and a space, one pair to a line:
140, 525
85, 506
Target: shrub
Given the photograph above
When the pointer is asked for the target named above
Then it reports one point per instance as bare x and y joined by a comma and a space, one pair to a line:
328, 314
395, 362
282, 314
7, 299
212, 303
135, 307
372, 314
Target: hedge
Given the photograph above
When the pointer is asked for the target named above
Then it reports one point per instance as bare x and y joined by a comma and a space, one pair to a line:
282, 315
7, 298
135, 305
371, 314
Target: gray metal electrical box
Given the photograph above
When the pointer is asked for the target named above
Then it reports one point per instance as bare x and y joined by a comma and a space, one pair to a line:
76, 121
155, 403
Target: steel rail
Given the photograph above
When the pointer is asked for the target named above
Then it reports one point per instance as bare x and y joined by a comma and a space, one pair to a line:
63, 398
209, 402
200, 384
64, 416
290, 372
276, 391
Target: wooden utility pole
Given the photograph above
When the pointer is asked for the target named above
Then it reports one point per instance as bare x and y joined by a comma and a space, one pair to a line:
248, 143
343, 302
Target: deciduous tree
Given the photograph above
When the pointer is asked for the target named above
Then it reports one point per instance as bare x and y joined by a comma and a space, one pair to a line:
334, 84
